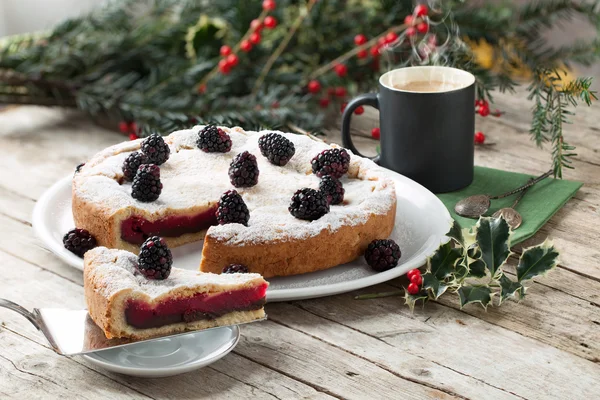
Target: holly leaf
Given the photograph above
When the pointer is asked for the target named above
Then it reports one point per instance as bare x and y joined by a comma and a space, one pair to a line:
475, 294
441, 264
461, 269
477, 268
455, 233
432, 284
411, 300
537, 260
509, 288
493, 237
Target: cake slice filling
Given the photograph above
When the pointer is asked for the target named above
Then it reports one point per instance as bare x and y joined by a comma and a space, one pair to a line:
202, 306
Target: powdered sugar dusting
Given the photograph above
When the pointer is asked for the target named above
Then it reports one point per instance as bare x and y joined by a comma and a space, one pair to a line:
192, 177
115, 270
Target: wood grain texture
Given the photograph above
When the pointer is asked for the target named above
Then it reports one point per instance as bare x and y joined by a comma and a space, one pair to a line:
334, 347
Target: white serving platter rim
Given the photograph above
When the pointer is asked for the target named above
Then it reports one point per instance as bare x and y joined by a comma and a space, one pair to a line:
57, 200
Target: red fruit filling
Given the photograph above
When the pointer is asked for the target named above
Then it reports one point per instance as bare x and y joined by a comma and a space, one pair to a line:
142, 315
137, 229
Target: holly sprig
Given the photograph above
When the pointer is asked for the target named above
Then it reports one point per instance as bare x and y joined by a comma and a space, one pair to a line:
471, 265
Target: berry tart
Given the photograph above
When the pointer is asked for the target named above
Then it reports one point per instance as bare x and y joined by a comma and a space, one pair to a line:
278, 203
142, 297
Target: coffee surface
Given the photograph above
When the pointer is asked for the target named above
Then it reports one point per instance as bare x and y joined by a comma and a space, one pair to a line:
426, 86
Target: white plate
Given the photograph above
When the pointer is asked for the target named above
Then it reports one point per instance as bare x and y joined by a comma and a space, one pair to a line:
168, 356
421, 224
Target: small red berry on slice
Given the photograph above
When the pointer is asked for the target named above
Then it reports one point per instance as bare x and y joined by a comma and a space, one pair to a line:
124, 127
416, 279
422, 27
341, 70
484, 111
375, 133
224, 67
232, 60
270, 22
413, 289
225, 50
359, 110
340, 91
255, 38
421, 10
479, 138
391, 37
408, 20
314, 86
362, 54
411, 31
133, 136
360, 39
256, 25
324, 102
245, 46
269, 5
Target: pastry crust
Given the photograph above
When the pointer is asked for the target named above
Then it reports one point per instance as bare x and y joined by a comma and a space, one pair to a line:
110, 281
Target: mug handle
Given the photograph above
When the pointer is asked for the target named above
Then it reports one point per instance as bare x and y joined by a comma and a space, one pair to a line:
369, 99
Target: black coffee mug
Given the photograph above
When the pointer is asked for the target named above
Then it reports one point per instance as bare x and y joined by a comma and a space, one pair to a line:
426, 135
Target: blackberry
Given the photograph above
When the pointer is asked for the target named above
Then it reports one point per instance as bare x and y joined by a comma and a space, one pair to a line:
156, 149
132, 163
78, 241
232, 209
213, 140
332, 189
309, 204
155, 259
146, 185
334, 162
276, 148
235, 268
243, 171
382, 255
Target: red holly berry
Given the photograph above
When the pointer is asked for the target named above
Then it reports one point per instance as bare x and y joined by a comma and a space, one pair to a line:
381, 41
408, 20
124, 127
270, 22
422, 27
314, 86
133, 136
416, 279
269, 5
412, 272
225, 50
413, 289
232, 60
360, 39
255, 38
375, 133
479, 138
133, 128
484, 111
201, 88
477, 103
411, 31
421, 10
343, 106
359, 110
362, 54
374, 51
324, 102
245, 46
340, 69
391, 37
224, 66
256, 25
340, 91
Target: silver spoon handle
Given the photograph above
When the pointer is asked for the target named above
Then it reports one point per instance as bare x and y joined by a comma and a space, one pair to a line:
21, 310
525, 186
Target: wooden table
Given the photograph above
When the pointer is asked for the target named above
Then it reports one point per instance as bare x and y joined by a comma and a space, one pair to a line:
547, 346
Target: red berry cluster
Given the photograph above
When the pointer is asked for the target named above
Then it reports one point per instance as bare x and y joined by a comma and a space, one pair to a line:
129, 128
415, 27
416, 280
228, 61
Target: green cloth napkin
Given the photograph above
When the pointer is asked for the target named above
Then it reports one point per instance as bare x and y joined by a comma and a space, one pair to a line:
537, 206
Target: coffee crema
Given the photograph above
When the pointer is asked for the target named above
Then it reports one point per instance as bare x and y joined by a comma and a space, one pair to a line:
427, 86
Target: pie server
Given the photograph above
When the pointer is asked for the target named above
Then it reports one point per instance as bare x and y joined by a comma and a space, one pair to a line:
72, 332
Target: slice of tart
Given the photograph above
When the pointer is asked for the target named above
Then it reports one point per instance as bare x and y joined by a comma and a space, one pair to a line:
124, 303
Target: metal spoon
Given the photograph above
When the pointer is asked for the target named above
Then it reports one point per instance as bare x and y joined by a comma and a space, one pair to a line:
510, 215
477, 205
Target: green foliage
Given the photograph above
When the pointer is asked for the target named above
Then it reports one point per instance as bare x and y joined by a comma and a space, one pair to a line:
493, 237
